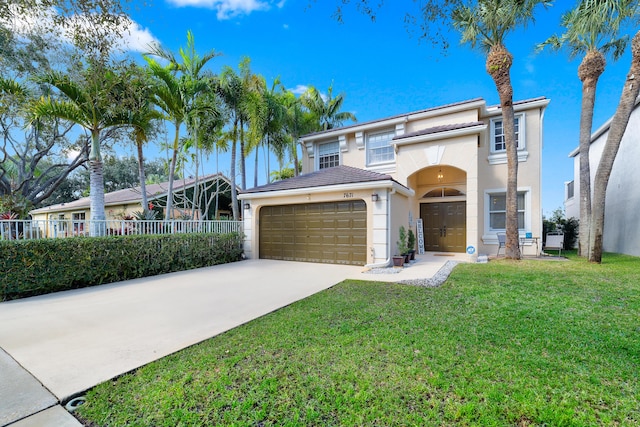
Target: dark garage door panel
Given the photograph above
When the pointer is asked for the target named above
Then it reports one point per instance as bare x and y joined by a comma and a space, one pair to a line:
333, 233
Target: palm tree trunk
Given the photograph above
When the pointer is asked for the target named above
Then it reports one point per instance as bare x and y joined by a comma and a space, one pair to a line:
498, 65
616, 132
589, 71
96, 187
243, 171
234, 192
172, 171
255, 165
142, 177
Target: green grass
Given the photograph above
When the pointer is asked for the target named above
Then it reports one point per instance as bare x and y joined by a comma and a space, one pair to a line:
524, 344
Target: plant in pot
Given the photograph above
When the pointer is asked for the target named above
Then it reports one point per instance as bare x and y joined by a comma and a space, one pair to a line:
403, 249
411, 244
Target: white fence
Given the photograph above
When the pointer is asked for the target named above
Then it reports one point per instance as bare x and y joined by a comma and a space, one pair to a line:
41, 229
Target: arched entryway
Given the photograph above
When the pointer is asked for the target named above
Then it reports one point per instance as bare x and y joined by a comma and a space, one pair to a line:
443, 208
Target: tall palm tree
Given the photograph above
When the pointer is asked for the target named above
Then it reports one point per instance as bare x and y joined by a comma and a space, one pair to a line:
181, 83
619, 123
88, 102
327, 108
298, 121
486, 24
231, 91
266, 113
592, 30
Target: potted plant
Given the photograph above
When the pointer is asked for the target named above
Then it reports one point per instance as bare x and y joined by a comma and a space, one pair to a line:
403, 249
411, 244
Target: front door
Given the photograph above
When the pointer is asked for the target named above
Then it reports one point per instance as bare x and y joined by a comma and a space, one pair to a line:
444, 226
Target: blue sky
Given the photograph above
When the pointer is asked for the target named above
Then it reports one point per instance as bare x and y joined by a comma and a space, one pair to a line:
381, 67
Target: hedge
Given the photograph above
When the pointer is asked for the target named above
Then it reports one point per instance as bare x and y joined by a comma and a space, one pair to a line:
36, 267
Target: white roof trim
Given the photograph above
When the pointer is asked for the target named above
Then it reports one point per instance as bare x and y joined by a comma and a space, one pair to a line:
472, 130
330, 188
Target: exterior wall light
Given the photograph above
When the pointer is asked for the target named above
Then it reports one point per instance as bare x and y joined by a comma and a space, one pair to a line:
247, 206
375, 197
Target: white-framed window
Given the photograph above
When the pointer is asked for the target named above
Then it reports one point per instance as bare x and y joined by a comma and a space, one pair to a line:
496, 210
379, 148
569, 190
78, 219
328, 155
498, 141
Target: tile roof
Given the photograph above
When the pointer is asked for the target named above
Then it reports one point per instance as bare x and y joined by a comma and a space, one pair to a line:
438, 129
440, 107
332, 176
130, 195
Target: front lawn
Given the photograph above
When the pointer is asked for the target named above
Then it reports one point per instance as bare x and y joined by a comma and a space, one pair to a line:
523, 344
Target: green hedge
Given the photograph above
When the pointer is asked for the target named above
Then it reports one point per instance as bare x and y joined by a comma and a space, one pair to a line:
36, 267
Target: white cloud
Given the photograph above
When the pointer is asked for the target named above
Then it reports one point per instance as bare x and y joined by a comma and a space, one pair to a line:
227, 9
132, 36
299, 90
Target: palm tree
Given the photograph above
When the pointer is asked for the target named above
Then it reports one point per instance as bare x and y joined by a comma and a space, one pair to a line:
298, 121
266, 113
617, 129
327, 108
88, 102
486, 24
592, 30
177, 94
231, 91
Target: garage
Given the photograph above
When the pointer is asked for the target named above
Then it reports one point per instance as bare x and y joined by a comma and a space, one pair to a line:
328, 232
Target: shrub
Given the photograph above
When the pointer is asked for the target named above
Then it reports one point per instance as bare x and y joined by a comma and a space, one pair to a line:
36, 267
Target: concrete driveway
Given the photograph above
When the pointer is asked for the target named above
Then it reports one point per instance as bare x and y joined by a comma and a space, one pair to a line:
53, 347
71, 341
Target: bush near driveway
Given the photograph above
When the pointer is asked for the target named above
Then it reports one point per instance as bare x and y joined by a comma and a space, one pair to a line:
36, 267
529, 343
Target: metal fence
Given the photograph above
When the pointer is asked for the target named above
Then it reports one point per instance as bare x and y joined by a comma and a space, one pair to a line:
41, 229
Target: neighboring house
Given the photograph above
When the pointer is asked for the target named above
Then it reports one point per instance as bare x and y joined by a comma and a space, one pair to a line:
445, 165
122, 204
622, 204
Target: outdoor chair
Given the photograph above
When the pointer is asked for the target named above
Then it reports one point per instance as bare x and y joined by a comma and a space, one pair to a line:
502, 242
555, 242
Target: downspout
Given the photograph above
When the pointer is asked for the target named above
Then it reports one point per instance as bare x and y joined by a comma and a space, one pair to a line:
388, 262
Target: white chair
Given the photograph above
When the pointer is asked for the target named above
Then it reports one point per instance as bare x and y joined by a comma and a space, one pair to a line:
555, 242
502, 242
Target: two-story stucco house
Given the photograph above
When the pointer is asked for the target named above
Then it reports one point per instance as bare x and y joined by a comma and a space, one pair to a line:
444, 165
621, 231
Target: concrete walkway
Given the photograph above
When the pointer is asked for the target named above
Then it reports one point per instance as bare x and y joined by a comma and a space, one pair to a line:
59, 345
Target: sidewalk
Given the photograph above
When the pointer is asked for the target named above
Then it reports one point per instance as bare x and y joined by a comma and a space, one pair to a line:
53, 347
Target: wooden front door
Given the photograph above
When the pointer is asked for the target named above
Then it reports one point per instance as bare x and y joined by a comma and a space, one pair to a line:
444, 226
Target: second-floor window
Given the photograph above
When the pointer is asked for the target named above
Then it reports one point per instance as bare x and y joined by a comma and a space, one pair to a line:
498, 141
570, 190
328, 155
379, 148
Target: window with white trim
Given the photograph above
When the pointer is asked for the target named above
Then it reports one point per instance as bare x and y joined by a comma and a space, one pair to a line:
498, 211
498, 141
328, 155
379, 148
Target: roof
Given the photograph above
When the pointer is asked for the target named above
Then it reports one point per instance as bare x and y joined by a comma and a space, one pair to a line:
130, 195
337, 175
438, 129
426, 110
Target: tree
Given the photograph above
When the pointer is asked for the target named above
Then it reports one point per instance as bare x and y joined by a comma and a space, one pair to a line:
180, 84
298, 121
619, 123
486, 24
89, 102
592, 30
327, 108
231, 90
266, 113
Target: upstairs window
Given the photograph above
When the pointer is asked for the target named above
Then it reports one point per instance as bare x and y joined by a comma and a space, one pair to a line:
379, 148
328, 155
498, 141
570, 190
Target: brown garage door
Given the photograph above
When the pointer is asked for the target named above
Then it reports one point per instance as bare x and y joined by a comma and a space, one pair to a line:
333, 233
